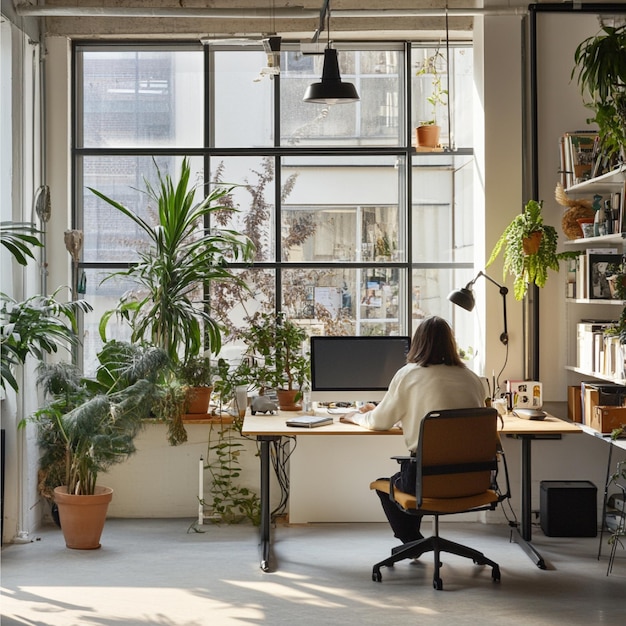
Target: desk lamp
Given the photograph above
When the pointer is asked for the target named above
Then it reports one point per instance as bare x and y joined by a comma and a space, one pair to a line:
464, 298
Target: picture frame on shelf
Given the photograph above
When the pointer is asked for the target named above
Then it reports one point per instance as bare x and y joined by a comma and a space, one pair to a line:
598, 274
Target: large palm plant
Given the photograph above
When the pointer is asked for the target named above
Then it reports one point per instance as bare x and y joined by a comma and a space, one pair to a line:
168, 308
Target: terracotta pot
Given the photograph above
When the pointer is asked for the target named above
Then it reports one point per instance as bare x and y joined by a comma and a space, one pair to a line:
286, 399
198, 399
531, 243
82, 517
428, 135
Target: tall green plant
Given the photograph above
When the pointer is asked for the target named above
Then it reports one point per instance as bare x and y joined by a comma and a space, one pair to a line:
168, 308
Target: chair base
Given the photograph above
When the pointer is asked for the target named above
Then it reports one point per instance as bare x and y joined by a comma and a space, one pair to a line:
437, 545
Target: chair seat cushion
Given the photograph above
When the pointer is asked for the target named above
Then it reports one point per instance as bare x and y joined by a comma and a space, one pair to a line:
437, 505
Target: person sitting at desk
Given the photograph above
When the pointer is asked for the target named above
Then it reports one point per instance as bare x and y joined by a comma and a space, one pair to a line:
434, 378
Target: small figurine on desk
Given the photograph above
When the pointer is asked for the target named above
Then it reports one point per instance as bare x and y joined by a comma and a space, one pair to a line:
262, 404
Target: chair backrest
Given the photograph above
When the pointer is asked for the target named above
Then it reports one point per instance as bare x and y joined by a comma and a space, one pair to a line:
457, 453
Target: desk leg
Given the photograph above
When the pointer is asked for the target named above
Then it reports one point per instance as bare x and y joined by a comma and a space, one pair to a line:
525, 535
265, 530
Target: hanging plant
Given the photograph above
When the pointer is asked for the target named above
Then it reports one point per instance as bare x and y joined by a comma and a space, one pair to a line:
529, 249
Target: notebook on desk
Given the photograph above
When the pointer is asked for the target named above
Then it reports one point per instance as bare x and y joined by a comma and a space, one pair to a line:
308, 421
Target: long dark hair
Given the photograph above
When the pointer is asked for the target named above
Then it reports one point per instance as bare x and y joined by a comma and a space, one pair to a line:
433, 343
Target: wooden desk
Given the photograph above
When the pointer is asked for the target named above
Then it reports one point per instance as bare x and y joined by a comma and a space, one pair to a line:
268, 428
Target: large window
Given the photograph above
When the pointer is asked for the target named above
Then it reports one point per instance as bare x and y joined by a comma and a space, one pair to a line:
356, 230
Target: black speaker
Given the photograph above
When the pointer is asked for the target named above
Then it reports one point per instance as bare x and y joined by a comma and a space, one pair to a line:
568, 508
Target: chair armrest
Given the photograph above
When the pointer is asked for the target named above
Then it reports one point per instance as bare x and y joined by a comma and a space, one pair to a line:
403, 458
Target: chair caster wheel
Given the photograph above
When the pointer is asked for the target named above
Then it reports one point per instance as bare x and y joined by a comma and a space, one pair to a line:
438, 584
495, 574
377, 577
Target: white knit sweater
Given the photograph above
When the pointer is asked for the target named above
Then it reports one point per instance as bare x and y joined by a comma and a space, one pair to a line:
414, 391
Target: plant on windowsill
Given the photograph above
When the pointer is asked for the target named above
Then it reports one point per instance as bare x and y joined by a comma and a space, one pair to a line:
428, 131
275, 347
529, 248
196, 374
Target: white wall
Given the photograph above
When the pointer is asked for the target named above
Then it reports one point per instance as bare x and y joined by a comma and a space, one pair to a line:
161, 480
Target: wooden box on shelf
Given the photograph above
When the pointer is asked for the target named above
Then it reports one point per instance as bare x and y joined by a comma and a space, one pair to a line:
606, 418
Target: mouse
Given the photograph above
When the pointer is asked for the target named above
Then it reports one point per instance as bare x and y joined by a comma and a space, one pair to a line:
530, 414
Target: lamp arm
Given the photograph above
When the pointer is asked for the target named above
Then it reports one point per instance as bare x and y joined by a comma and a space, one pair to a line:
504, 337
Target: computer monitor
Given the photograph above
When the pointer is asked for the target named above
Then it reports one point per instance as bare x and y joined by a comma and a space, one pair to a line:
354, 369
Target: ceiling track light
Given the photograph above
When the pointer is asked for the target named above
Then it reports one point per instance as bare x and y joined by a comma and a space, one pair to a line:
331, 89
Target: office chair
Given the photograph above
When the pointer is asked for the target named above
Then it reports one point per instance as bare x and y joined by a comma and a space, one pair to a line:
457, 466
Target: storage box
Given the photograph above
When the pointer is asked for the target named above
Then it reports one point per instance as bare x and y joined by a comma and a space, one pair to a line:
568, 508
574, 404
607, 418
595, 394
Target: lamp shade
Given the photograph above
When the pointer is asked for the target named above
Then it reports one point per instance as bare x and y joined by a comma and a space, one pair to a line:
463, 297
331, 89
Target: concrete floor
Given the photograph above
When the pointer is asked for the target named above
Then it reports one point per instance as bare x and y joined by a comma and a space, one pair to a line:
155, 572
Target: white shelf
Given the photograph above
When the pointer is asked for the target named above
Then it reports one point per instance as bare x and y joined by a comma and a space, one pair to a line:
593, 301
608, 379
611, 181
599, 242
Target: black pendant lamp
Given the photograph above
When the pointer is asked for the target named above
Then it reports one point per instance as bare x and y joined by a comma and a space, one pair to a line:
331, 89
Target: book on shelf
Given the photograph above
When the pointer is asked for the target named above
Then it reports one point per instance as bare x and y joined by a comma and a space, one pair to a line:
588, 284
578, 153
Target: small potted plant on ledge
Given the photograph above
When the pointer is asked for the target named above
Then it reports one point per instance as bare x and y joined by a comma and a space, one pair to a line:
276, 348
529, 249
196, 374
428, 131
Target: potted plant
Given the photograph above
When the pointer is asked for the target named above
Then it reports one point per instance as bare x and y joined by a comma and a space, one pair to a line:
428, 131
600, 70
275, 346
89, 425
197, 376
168, 308
529, 249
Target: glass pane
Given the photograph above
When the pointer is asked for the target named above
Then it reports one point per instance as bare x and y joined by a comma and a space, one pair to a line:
442, 227
232, 304
109, 235
243, 111
374, 120
434, 98
252, 196
353, 215
134, 98
103, 295
346, 301
431, 287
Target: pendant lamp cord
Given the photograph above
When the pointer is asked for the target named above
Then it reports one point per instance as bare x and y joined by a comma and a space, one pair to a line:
448, 81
